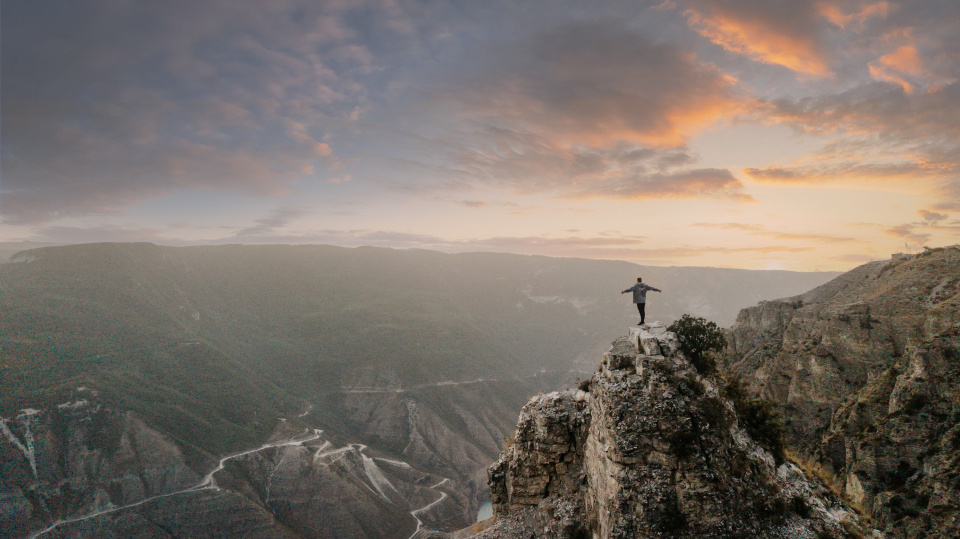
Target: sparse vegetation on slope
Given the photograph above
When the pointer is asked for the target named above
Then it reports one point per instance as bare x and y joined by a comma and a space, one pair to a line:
757, 416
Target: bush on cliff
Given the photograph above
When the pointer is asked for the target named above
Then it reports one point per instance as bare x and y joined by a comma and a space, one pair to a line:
758, 417
699, 339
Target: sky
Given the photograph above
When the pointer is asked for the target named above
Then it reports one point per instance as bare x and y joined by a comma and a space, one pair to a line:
757, 134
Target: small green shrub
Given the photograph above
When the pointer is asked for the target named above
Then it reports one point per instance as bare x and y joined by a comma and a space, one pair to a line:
715, 413
758, 417
699, 339
762, 421
691, 386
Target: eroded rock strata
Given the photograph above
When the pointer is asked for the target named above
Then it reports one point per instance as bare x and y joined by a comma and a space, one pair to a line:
865, 371
86, 469
651, 450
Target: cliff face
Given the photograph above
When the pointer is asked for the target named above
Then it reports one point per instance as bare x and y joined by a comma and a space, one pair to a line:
896, 442
809, 353
864, 370
651, 450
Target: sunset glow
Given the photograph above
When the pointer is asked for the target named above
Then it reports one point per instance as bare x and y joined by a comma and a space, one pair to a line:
748, 133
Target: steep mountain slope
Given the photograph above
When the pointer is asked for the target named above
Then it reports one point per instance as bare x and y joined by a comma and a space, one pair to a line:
418, 357
653, 449
95, 471
864, 370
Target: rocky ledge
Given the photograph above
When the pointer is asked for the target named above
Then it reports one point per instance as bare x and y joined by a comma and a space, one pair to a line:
650, 448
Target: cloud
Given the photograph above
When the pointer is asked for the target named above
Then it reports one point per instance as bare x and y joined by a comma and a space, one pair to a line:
779, 33
576, 110
473, 203
762, 230
275, 220
931, 217
111, 104
595, 84
880, 133
614, 246
834, 12
697, 183
76, 159
899, 67
529, 164
908, 234
830, 172
953, 205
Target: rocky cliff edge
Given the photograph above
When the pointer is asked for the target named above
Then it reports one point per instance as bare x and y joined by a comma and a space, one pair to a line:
650, 448
865, 371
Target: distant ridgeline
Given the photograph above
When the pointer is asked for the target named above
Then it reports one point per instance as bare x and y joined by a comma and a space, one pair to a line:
164, 360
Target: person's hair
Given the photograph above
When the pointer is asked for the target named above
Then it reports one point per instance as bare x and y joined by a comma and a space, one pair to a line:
639, 279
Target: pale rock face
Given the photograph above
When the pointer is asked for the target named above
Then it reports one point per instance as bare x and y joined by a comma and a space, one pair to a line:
654, 340
652, 450
864, 372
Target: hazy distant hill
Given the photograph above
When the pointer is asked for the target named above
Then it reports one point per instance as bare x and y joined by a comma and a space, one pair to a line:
10, 248
293, 320
421, 355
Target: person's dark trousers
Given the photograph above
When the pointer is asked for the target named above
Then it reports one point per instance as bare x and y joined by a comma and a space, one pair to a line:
642, 307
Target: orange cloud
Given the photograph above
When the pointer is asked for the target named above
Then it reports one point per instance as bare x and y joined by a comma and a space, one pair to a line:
756, 38
896, 66
904, 59
832, 13
846, 170
676, 123
597, 85
715, 183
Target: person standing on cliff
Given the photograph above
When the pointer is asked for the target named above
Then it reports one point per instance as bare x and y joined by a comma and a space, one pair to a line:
640, 296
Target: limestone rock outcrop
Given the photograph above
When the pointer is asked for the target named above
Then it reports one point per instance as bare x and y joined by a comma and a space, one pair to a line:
651, 449
896, 443
809, 353
864, 371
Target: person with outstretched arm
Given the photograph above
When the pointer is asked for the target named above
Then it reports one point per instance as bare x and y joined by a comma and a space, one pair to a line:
640, 296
